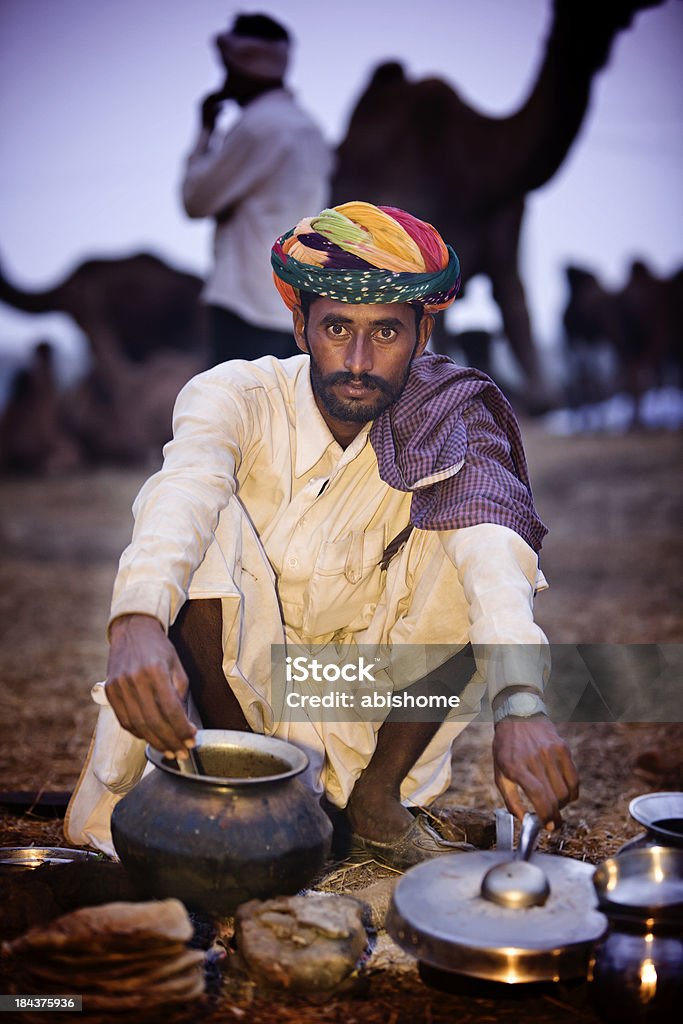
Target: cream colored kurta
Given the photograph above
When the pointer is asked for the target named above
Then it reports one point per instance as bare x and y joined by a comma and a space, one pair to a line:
257, 504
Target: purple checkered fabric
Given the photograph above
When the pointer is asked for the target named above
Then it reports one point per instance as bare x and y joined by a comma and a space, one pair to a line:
453, 440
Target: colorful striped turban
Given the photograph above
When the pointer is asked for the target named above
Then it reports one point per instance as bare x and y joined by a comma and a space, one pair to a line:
363, 253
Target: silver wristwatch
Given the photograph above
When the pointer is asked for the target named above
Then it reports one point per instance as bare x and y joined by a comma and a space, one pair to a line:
520, 705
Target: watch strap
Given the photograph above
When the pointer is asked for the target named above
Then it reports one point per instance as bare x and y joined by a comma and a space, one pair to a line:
513, 707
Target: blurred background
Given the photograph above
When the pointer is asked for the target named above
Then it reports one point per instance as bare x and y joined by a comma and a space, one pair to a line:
98, 108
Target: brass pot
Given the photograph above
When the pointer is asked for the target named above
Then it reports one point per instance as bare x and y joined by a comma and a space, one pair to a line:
246, 828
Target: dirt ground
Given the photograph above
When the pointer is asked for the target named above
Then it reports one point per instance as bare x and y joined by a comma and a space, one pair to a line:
613, 558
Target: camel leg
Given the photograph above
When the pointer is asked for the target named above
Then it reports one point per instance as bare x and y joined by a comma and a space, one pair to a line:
476, 346
508, 292
443, 341
500, 262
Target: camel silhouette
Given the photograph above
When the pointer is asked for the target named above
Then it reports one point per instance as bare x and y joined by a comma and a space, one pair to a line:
640, 325
417, 145
146, 331
137, 303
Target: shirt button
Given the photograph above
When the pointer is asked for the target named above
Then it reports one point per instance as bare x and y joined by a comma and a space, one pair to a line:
292, 562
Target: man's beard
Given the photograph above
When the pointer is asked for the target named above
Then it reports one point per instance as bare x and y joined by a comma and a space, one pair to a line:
349, 410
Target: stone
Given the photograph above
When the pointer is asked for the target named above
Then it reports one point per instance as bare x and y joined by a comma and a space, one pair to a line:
308, 945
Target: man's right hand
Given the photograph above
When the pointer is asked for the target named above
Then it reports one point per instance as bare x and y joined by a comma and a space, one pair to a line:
147, 685
211, 108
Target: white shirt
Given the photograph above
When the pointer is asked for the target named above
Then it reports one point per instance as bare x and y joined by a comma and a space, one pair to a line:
323, 516
270, 170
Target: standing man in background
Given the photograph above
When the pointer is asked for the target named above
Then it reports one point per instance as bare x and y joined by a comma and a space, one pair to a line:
255, 181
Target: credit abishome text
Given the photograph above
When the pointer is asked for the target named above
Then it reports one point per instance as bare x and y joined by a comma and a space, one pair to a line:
343, 699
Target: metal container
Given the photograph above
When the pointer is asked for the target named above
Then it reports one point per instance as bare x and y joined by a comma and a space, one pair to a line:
438, 914
28, 858
246, 828
662, 816
636, 970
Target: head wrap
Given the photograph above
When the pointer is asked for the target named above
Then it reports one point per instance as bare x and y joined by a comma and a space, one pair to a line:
254, 57
363, 253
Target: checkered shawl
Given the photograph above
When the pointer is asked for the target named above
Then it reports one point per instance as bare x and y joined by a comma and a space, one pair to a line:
453, 440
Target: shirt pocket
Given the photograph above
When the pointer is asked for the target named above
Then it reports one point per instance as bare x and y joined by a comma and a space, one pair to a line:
346, 583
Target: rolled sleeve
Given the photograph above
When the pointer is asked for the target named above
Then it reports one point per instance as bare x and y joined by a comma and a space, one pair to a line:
499, 574
177, 510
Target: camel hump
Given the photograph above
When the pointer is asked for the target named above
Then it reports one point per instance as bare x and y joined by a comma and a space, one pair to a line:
415, 111
136, 260
641, 271
387, 75
104, 275
577, 276
387, 82
144, 263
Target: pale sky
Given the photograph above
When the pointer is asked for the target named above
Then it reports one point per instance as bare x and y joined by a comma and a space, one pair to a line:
98, 108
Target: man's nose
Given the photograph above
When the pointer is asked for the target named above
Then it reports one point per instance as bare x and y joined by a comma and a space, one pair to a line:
358, 357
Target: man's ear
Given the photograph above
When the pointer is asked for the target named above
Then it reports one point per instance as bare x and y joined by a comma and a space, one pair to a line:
299, 323
424, 333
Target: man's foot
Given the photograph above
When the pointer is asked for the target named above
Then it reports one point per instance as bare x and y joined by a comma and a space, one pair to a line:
376, 816
382, 828
419, 842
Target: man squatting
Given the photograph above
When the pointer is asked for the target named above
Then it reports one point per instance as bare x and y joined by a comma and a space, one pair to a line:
363, 492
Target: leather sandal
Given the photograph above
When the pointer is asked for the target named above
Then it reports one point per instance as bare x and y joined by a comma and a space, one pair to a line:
420, 842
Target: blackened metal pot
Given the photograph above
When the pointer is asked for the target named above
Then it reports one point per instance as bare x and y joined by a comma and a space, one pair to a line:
246, 828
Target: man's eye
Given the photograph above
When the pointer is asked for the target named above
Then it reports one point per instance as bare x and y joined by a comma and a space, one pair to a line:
387, 333
336, 330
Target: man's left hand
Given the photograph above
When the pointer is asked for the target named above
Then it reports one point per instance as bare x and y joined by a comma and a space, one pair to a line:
530, 755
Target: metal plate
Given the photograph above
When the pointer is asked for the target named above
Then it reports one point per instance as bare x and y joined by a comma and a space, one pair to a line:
438, 915
26, 858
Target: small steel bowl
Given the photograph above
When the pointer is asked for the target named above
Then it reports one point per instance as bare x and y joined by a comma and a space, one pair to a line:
642, 884
657, 812
28, 858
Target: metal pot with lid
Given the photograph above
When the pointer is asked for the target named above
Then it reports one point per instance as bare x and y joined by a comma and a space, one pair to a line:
636, 971
245, 828
439, 915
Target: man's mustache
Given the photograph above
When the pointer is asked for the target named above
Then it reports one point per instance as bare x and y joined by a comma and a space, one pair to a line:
368, 380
